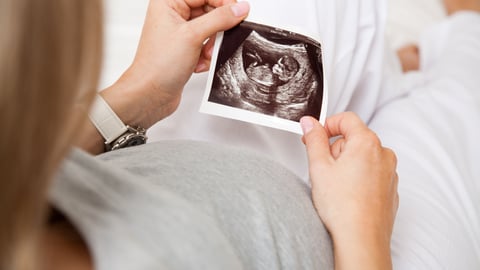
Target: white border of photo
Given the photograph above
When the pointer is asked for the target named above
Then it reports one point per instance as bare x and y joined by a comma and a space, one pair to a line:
254, 117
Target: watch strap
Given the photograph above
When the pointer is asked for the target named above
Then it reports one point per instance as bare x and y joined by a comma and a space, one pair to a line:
106, 120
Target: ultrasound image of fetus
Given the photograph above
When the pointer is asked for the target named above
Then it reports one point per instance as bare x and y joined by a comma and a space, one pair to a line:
270, 74
264, 73
286, 68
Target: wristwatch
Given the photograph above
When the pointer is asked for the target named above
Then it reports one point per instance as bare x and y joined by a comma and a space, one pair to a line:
116, 134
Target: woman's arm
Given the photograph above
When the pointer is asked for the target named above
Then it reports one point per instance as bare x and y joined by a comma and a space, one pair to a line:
354, 187
171, 48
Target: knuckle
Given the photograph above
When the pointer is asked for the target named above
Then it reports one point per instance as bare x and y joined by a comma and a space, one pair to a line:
351, 116
390, 154
371, 140
374, 138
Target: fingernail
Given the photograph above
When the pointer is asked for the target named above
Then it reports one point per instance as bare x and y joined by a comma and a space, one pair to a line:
240, 9
201, 67
307, 124
210, 52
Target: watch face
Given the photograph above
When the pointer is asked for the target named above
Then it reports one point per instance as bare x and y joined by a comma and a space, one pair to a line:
137, 140
128, 140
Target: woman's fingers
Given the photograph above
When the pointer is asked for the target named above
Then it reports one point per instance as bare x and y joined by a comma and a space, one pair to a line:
316, 141
214, 3
337, 147
205, 56
346, 124
316, 137
219, 19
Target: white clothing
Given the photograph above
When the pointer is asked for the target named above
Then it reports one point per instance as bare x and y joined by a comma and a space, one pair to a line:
435, 133
353, 40
407, 19
351, 33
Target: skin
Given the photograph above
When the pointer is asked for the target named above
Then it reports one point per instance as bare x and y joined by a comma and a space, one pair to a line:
62, 247
354, 189
409, 56
453, 6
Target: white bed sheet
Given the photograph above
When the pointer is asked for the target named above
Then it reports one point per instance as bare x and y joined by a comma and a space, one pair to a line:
435, 132
407, 19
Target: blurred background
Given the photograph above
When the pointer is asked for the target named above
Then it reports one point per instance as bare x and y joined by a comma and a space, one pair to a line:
124, 20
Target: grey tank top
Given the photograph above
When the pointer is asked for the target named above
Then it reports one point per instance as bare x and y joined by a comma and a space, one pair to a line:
190, 205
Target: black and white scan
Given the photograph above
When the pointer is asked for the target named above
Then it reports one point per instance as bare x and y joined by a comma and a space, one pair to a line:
269, 71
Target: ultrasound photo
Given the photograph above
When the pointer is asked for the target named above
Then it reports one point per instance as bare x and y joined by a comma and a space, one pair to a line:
269, 71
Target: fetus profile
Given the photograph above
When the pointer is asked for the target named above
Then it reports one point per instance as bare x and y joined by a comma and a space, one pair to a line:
269, 74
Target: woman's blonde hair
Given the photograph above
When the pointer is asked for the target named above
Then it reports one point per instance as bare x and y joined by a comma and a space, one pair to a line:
50, 53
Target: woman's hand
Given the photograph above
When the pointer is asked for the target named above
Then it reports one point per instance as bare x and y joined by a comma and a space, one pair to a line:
354, 187
173, 45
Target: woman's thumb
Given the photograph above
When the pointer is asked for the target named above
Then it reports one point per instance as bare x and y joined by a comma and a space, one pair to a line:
220, 19
316, 140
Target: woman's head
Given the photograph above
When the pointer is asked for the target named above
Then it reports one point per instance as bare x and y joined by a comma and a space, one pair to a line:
50, 54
